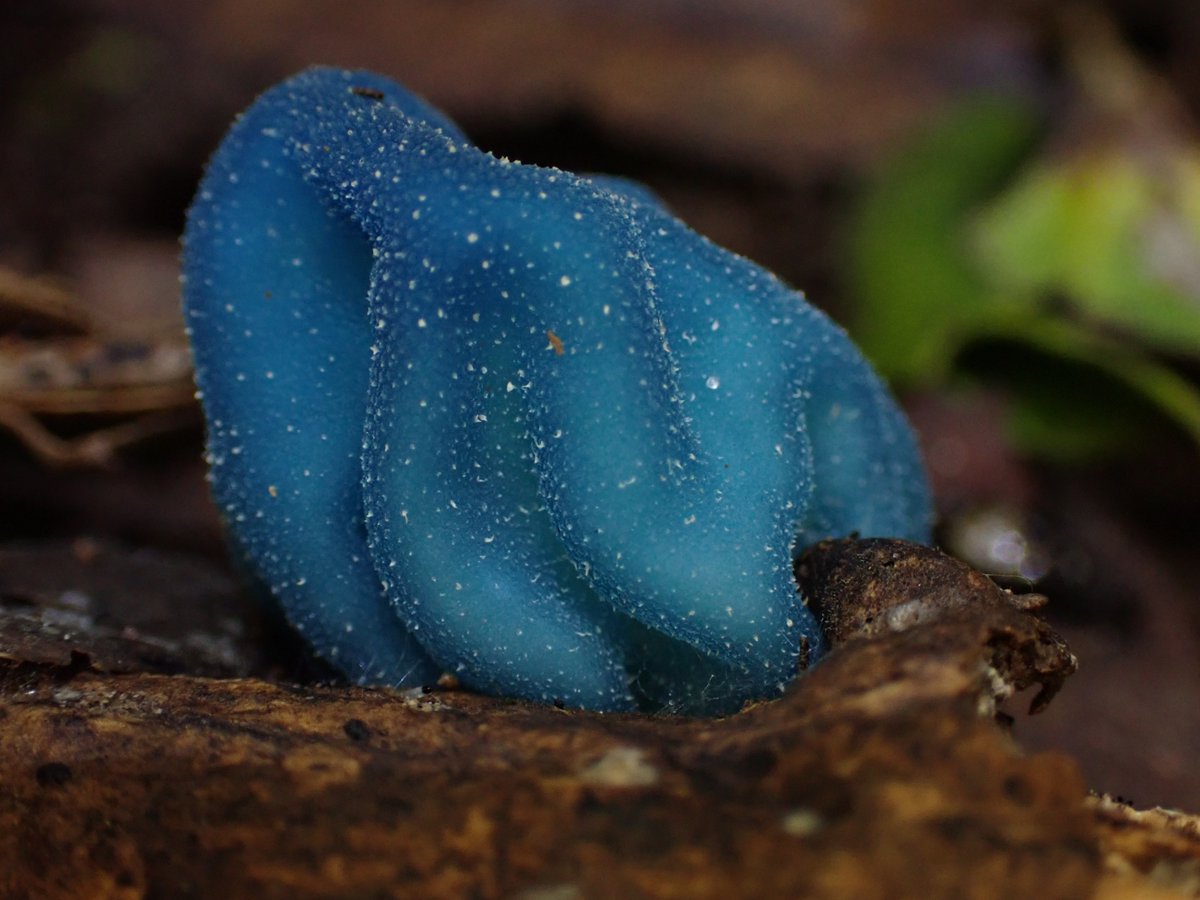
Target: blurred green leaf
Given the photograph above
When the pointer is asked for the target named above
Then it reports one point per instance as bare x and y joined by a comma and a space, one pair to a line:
1115, 239
1076, 394
1057, 281
919, 295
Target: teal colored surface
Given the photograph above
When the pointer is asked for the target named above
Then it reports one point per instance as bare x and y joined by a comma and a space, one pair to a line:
472, 416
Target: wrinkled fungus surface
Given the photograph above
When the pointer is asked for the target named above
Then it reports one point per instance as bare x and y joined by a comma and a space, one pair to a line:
525, 427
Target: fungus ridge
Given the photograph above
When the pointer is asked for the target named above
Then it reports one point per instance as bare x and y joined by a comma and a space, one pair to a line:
473, 416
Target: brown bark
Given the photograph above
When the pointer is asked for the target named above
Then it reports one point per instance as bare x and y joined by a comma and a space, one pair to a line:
882, 773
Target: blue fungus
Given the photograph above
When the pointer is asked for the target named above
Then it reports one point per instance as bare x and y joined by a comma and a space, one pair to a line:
514, 424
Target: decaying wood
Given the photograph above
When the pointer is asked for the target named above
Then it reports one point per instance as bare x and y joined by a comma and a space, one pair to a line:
1163, 844
884, 772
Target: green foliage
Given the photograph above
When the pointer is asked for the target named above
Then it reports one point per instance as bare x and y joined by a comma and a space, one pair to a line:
919, 294
1072, 283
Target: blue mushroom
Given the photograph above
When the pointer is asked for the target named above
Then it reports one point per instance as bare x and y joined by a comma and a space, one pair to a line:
514, 424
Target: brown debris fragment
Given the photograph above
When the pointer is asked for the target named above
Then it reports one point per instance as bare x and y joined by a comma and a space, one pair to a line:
1161, 844
65, 362
368, 93
87, 605
867, 588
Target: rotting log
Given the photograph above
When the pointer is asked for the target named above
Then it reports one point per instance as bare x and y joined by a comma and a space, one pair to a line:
885, 771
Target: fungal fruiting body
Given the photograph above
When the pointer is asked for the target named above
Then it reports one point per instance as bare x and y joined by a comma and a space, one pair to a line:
525, 427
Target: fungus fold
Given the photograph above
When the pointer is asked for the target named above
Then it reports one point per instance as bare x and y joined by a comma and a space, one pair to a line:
521, 426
